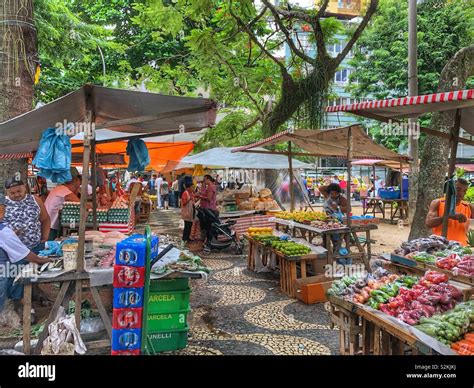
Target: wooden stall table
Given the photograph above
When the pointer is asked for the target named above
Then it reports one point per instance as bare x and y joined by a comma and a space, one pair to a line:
288, 265
145, 212
375, 205
349, 235
70, 283
364, 331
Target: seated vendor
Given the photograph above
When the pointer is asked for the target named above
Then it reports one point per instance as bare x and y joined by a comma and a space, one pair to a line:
335, 202
458, 224
12, 253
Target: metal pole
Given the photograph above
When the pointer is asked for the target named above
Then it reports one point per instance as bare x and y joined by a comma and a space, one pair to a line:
412, 91
349, 166
292, 194
452, 165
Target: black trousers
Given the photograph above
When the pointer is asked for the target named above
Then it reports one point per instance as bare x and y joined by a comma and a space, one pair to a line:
187, 230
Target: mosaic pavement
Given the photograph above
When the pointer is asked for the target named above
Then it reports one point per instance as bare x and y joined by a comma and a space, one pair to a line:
238, 312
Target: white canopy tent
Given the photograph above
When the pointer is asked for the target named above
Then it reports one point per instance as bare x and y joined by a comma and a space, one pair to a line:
224, 157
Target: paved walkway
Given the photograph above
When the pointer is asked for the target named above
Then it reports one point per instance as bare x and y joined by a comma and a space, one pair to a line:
239, 312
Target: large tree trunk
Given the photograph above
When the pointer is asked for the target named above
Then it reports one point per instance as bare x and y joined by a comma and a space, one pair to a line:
18, 58
434, 166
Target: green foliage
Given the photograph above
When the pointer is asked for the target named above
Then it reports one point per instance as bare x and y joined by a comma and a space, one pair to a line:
470, 195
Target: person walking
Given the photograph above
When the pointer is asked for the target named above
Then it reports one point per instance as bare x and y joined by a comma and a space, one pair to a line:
158, 182
187, 211
164, 193
175, 192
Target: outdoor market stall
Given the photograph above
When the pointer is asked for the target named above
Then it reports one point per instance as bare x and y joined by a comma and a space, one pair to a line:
91, 108
349, 142
433, 305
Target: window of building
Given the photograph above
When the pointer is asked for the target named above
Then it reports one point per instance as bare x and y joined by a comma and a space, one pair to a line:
342, 76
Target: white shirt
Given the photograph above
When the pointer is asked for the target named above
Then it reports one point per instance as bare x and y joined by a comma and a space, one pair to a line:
378, 184
129, 183
54, 203
12, 245
158, 183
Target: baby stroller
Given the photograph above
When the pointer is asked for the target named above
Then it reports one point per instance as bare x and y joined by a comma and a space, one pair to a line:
219, 234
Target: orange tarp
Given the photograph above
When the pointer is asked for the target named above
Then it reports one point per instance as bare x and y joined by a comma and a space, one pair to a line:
160, 153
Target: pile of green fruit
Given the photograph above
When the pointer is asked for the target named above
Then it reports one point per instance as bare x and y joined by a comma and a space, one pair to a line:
290, 248
450, 326
266, 239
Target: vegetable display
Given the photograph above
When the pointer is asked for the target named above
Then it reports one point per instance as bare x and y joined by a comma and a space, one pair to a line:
301, 216
426, 244
452, 326
327, 225
464, 347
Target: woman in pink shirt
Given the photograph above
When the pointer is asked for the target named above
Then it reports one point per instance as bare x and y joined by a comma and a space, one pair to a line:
208, 194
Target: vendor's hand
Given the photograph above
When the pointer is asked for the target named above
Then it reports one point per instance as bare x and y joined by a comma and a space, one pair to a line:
334, 206
459, 217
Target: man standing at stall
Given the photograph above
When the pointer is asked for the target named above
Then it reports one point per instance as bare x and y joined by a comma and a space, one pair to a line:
13, 253
458, 224
68, 192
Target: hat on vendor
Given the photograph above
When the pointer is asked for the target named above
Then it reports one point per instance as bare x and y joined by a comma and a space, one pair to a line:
13, 182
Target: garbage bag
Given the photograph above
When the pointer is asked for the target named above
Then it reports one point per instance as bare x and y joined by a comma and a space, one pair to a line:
53, 157
139, 157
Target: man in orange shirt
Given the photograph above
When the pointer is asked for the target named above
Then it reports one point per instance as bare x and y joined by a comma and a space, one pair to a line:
458, 224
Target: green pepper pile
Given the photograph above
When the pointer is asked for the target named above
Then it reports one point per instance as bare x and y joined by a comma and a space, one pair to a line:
450, 326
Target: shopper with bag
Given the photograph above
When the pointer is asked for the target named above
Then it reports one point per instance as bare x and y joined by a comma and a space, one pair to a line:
187, 211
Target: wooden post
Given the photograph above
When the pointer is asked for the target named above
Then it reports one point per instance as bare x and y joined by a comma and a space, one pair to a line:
349, 177
452, 165
373, 170
94, 182
401, 181
292, 194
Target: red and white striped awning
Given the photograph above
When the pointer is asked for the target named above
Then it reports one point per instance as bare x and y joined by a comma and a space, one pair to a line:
406, 107
20, 155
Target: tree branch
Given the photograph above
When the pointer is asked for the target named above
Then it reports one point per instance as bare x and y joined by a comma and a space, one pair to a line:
360, 28
285, 31
247, 29
244, 88
319, 36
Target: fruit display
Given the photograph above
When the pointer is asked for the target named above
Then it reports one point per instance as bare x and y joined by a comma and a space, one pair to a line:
430, 244
290, 248
259, 231
429, 296
266, 239
327, 225
301, 216
451, 327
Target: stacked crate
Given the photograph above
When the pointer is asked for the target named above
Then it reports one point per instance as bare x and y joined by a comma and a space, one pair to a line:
167, 311
129, 282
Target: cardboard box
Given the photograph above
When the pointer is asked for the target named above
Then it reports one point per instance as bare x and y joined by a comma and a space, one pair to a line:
313, 289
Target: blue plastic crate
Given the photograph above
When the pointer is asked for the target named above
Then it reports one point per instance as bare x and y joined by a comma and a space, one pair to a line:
389, 194
128, 298
126, 339
131, 251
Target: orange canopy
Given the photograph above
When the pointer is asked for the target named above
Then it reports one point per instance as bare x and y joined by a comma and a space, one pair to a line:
160, 153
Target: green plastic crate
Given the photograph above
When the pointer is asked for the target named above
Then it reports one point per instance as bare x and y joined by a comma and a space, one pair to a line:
167, 321
178, 284
164, 341
168, 301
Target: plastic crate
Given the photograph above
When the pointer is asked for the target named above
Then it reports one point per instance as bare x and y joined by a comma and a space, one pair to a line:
178, 284
168, 301
164, 341
126, 339
128, 298
129, 277
135, 352
131, 251
127, 318
389, 194
167, 321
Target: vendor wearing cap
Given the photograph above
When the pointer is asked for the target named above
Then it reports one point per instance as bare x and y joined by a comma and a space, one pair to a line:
26, 215
458, 224
12, 253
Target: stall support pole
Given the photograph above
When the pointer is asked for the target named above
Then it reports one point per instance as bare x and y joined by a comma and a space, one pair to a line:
401, 180
94, 183
452, 165
349, 177
373, 171
290, 164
